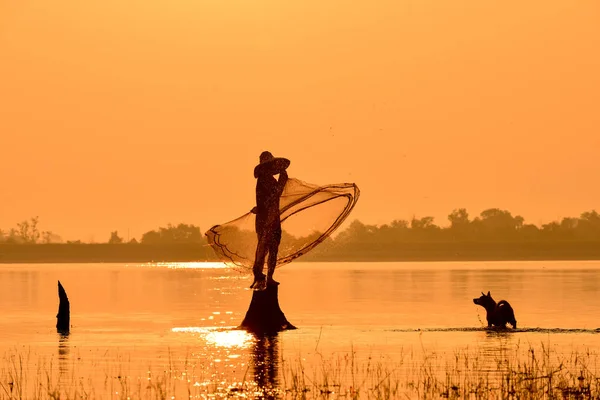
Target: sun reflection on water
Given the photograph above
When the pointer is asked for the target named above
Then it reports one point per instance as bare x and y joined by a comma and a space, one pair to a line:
220, 337
188, 265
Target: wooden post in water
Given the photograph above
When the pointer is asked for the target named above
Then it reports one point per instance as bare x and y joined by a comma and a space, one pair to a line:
264, 316
63, 318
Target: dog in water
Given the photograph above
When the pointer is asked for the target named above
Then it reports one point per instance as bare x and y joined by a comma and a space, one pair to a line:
497, 314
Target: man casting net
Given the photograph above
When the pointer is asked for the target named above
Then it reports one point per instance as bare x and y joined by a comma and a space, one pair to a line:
291, 218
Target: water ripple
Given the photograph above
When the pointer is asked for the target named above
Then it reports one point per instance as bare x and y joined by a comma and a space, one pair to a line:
500, 330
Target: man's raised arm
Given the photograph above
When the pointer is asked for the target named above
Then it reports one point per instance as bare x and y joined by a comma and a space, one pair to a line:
283, 177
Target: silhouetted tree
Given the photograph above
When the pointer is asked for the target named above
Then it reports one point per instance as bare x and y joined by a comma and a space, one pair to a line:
151, 237
28, 231
399, 224
182, 233
589, 225
423, 230
13, 237
551, 229
50, 237
357, 232
460, 226
115, 238
422, 223
459, 218
494, 224
569, 224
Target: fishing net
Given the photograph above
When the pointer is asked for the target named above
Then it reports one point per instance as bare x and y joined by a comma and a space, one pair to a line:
309, 215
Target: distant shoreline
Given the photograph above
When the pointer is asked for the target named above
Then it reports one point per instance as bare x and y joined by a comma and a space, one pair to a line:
401, 252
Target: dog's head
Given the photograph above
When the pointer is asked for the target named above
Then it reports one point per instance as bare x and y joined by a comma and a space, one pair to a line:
485, 300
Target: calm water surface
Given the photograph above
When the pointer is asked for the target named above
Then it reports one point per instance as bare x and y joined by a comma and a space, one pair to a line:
133, 319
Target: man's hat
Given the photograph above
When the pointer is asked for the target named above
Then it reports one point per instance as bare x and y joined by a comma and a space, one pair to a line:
270, 165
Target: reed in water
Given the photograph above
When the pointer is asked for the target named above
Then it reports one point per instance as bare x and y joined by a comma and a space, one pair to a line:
516, 373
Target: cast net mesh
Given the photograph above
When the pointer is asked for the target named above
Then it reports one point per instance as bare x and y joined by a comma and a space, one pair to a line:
309, 215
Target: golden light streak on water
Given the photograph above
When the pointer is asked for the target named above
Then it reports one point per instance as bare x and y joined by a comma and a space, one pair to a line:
187, 265
220, 337
195, 265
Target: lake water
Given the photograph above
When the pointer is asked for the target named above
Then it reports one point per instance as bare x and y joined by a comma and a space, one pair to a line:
154, 328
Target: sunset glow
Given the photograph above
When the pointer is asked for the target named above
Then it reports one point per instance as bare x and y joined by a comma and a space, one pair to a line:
128, 116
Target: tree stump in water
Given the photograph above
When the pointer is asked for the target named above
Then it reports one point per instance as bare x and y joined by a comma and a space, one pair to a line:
264, 315
63, 318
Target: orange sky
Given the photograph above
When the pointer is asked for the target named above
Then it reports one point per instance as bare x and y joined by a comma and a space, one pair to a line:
129, 115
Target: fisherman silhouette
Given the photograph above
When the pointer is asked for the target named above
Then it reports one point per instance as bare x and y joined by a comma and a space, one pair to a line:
310, 213
268, 223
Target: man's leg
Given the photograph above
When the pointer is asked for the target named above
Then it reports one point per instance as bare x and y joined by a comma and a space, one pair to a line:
273, 250
259, 260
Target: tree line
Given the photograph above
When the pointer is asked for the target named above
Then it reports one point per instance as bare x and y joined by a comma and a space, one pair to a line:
171, 234
491, 225
27, 232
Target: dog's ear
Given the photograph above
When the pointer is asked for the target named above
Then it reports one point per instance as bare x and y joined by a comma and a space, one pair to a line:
488, 295
483, 294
